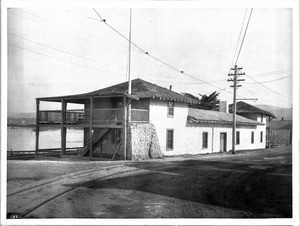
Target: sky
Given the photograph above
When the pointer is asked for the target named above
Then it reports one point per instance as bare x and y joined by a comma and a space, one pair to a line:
63, 51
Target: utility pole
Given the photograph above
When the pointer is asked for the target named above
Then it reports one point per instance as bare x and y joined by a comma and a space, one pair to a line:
235, 80
127, 107
129, 61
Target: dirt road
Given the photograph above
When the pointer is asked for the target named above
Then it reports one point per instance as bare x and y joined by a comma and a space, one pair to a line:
248, 184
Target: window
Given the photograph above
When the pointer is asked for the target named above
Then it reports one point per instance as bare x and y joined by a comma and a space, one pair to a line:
204, 139
252, 137
237, 137
170, 139
170, 109
262, 117
261, 136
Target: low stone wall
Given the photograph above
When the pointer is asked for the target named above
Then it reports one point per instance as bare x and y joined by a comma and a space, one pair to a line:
143, 142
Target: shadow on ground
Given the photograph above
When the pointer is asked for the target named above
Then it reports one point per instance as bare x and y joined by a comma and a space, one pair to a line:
233, 185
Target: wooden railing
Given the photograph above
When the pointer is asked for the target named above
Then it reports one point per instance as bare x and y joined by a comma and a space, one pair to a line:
100, 116
139, 115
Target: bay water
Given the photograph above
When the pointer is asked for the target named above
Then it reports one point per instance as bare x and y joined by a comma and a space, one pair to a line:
23, 138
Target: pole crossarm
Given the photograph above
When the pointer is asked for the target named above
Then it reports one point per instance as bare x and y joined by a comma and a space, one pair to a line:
236, 86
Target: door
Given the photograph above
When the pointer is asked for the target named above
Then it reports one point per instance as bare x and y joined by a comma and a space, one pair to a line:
223, 142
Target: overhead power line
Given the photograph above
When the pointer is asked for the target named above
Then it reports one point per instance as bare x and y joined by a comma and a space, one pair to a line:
265, 74
104, 20
77, 30
100, 20
266, 87
63, 29
79, 56
119, 33
237, 44
271, 80
85, 39
252, 36
63, 51
56, 58
155, 58
72, 34
244, 37
142, 50
196, 83
253, 92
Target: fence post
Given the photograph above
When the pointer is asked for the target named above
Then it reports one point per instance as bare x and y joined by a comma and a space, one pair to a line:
37, 128
91, 126
63, 128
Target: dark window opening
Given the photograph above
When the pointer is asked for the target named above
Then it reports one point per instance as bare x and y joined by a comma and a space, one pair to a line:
170, 139
170, 109
261, 137
204, 140
237, 137
252, 137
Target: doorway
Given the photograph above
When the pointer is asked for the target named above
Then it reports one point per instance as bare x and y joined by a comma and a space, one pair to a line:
223, 142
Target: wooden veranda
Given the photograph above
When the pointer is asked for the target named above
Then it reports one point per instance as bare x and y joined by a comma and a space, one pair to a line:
105, 112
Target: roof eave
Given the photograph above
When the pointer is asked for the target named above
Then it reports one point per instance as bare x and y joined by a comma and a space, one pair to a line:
223, 122
80, 97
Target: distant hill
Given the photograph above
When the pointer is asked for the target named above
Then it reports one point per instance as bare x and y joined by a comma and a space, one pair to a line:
22, 115
21, 122
21, 119
279, 112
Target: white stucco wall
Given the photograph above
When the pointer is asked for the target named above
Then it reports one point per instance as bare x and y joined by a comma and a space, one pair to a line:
260, 128
188, 138
158, 115
194, 138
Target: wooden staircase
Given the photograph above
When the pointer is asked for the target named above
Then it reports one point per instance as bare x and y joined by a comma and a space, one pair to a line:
98, 138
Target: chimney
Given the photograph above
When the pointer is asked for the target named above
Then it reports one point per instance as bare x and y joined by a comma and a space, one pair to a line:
223, 106
170, 87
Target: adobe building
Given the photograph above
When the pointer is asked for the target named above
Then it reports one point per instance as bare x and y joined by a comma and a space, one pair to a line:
149, 123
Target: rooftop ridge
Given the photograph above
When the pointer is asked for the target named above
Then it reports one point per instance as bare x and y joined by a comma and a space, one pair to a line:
241, 107
142, 81
140, 87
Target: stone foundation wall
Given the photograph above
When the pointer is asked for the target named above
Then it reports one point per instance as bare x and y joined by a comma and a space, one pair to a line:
142, 142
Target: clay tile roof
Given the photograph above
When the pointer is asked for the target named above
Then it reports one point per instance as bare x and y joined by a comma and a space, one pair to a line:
144, 89
216, 117
140, 88
243, 107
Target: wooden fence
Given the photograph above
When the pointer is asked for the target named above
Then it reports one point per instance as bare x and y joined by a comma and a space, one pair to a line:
44, 152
